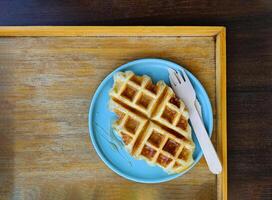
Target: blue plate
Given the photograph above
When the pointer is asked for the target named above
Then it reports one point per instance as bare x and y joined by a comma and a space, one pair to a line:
110, 148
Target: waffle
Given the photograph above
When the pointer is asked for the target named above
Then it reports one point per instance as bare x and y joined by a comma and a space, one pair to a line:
137, 92
170, 151
152, 122
128, 125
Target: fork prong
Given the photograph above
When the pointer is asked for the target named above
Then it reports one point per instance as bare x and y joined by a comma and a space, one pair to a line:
172, 83
171, 71
172, 77
180, 77
185, 75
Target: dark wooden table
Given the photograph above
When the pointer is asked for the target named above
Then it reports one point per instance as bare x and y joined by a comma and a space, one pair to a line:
249, 60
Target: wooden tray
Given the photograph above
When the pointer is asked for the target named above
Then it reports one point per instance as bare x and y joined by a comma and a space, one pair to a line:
47, 79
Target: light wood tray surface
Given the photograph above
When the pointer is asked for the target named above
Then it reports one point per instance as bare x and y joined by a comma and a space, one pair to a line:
47, 78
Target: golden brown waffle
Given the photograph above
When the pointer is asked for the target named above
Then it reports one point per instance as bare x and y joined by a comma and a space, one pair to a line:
138, 92
171, 113
152, 122
167, 149
128, 125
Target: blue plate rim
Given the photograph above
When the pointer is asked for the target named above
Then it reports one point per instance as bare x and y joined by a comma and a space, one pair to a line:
97, 92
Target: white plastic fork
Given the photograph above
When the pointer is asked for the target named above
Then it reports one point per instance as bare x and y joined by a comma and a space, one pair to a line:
185, 91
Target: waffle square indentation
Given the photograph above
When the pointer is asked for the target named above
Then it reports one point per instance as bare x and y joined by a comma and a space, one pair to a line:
129, 93
131, 125
126, 138
151, 87
169, 114
148, 152
144, 101
182, 123
163, 160
155, 139
137, 80
171, 147
176, 165
175, 101
184, 154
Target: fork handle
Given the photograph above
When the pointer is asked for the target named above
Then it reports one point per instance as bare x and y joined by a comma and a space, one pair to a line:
204, 141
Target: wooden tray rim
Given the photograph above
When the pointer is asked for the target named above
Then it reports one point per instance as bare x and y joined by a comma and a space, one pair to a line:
218, 32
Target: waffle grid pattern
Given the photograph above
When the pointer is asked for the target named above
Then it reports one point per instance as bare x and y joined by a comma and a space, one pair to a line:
152, 122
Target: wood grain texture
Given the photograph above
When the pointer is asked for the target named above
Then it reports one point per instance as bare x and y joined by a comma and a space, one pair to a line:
47, 82
221, 105
154, 31
249, 47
